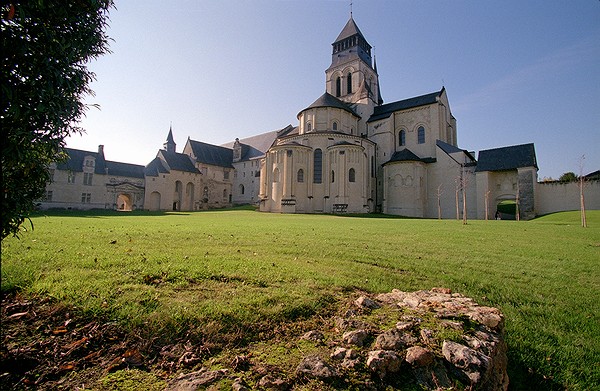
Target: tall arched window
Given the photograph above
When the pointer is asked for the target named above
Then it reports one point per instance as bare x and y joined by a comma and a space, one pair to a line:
241, 189
308, 127
351, 175
276, 175
349, 83
334, 126
300, 176
421, 135
318, 166
338, 86
402, 138
332, 176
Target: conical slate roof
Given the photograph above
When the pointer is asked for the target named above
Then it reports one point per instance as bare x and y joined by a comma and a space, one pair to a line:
328, 100
349, 30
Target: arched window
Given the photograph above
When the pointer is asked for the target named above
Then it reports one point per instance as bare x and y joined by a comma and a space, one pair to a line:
300, 176
332, 176
349, 83
338, 86
318, 166
225, 194
334, 126
402, 138
276, 175
308, 127
351, 175
421, 135
241, 189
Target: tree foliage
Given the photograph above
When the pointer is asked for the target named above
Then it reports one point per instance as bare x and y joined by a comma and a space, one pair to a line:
568, 177
46, 47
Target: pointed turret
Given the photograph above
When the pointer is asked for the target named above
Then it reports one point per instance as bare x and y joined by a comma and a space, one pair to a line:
169, 145
351, 76
350, 44
379, 98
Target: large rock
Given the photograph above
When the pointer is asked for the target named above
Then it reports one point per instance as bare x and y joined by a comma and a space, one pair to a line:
314, 366
383, 362
355, 337
195, 380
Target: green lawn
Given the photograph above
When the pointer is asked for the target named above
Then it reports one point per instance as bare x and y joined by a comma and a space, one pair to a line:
242, 271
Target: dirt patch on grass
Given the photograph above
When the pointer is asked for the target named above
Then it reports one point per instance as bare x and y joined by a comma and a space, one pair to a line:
403, 340
47, 345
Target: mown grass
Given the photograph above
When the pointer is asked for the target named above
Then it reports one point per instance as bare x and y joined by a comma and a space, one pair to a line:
234, 274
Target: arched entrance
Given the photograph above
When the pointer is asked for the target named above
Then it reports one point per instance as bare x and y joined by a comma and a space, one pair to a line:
124, 202
506, 208
177, 196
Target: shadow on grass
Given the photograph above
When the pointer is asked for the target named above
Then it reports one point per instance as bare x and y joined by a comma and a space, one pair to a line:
522, 378
59, 212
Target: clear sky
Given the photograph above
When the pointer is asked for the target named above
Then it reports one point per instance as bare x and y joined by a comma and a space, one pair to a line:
515, 71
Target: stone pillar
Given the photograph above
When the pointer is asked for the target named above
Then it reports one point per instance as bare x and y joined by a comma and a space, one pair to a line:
286, 174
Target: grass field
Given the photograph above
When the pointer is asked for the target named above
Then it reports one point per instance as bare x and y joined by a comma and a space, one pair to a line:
240, 272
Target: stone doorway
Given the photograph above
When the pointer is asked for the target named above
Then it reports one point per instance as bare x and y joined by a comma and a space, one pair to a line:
124, 202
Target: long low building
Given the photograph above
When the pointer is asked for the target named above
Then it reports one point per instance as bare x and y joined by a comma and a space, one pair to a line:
349, 153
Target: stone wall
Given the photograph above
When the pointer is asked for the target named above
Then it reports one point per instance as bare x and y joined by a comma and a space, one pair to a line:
560, 196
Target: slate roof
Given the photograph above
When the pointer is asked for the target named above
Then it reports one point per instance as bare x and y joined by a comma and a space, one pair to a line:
165, 162
155, 167
256, 146
593, 175
384, 111
76, 158
349, 30
507, 158
212, 154
328, 100
125, 169
448, 148
405, 155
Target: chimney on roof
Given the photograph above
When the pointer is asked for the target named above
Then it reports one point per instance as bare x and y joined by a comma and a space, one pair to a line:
101, 150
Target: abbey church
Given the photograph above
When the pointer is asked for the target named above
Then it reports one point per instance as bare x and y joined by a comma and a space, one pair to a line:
349, 152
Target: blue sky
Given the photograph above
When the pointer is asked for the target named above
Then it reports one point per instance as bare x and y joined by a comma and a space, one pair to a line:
515, 71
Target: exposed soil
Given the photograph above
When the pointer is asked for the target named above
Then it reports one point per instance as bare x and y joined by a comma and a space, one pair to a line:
45, 345
48, 346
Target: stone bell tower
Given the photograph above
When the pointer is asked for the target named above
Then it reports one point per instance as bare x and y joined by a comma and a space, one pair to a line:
352, 75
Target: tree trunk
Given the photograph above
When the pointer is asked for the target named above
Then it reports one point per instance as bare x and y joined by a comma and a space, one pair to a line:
582, 201
439, 202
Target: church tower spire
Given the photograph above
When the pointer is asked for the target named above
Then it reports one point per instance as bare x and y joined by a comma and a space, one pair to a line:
351, 67
170, 145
